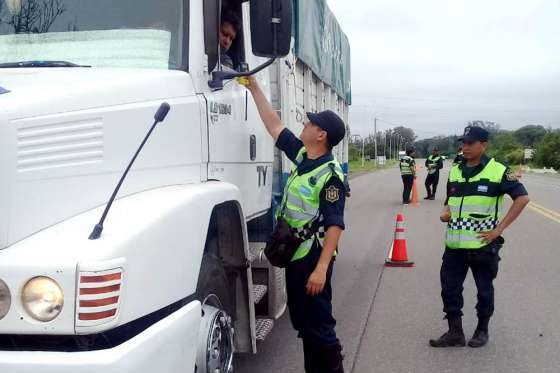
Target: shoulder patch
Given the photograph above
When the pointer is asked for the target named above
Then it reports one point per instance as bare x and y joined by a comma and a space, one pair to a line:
510, 175
332, 194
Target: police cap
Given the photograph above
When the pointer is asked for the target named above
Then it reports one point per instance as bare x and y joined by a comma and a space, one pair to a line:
331, 123
473, 134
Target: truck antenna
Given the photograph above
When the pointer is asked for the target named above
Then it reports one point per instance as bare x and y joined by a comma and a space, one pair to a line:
158, 117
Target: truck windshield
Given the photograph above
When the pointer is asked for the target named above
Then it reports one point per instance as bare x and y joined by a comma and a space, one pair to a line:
96, 33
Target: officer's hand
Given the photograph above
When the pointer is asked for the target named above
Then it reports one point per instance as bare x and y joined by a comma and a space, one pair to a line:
491, 235
316, 282
243, 80
445, 216
248, 82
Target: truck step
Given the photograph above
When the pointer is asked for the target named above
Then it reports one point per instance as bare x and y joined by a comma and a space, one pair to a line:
256, 253
259, 291
264, 327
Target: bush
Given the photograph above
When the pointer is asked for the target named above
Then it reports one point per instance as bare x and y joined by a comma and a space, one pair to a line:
548, 151
514, 157
505, 148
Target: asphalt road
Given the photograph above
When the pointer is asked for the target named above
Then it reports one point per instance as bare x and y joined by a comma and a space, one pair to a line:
386, 315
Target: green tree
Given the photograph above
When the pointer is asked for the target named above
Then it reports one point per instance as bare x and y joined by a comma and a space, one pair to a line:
491, 127
505, 148
447, 145
406, 133
548, 150
531, 135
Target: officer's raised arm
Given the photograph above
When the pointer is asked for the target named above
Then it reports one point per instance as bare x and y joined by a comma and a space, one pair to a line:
271, 120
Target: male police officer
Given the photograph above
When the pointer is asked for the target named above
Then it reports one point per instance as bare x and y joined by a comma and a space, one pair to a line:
434, 163
314, 199
475, 191
408, 174
459, 157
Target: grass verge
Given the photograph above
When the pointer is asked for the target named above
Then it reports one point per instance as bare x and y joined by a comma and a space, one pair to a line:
355, 167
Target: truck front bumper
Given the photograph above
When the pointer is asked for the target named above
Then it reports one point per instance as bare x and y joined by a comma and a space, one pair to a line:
167, 346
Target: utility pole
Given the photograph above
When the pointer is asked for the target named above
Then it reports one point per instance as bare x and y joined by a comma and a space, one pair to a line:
390, 147
385, 145
363, 151
355, 137
375, 138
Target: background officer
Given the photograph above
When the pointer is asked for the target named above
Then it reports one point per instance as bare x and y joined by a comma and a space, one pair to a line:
459, 157
434, 163
315, 198
408, 173
475, 192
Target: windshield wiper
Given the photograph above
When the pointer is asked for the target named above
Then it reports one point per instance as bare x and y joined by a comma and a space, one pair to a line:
40, 64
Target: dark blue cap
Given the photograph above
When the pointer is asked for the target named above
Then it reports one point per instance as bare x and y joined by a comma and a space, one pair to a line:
473, 134
331, 123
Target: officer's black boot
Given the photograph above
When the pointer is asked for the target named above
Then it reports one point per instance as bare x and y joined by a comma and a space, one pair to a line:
480, 336
454, 337
333, 358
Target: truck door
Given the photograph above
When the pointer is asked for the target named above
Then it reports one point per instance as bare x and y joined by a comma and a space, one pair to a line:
240, 149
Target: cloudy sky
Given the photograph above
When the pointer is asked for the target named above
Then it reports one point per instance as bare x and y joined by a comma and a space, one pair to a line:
434, 65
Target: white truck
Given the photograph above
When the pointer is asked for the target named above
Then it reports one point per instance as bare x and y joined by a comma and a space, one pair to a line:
174, 279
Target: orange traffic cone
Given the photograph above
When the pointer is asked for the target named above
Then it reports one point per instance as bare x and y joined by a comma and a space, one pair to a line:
398, 256
414, 199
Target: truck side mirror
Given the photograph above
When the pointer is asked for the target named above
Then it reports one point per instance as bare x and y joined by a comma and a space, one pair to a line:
271, 27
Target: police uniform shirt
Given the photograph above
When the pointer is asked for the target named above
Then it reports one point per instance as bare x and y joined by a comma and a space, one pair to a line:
509, 185
331, 208
459, 158
439, 165
411, 162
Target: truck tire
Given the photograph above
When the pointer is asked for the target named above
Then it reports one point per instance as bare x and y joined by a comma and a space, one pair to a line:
215, 345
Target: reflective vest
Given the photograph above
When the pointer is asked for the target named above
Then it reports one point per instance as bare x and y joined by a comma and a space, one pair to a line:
475, 205
458, 159
433, 162
406, 165
300, 204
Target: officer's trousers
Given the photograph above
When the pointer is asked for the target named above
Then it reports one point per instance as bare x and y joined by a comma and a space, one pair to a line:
431, 184
312, 316
408, 180
484, 266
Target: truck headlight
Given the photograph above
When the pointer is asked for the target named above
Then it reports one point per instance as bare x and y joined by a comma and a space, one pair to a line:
42, 298
5, 299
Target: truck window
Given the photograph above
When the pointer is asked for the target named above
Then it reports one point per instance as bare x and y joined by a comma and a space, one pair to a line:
231, 49
98, 33
228, 42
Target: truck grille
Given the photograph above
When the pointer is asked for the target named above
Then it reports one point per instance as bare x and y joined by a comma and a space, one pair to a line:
98, 297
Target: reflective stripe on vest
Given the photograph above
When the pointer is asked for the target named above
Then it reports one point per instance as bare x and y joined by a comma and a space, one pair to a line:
405, 166
433, 161
300, 206
474, 205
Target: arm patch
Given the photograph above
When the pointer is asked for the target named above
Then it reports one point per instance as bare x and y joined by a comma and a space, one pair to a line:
510, 175
332, 194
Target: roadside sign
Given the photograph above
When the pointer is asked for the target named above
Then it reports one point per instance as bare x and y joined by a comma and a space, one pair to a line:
528, 153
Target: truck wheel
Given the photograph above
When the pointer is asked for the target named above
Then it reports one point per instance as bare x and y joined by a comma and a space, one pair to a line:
215, 344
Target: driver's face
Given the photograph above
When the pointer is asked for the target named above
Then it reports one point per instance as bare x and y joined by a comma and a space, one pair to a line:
227, 35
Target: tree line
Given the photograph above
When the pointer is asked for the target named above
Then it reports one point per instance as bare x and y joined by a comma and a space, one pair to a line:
389, 142
507, 146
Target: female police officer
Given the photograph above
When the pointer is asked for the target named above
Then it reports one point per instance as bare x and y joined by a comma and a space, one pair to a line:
314, 198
